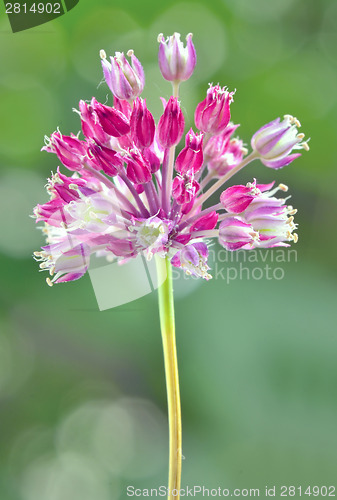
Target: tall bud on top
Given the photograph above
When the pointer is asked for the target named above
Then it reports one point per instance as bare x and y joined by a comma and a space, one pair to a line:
125, 81
176, 62
171, 124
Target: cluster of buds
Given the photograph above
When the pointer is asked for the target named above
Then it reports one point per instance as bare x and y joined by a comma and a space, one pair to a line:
129, 191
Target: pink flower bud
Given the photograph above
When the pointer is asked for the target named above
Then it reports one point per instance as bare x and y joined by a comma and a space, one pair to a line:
190, 159
176, 62
205, 222
70, 150
171, 124
142, 124
218, 143
138, 168
236, 199
212, 115
275, 141
234, 233
91, 127
105, 159
125, 81
123, 106
229, 156
184, 189
112, 121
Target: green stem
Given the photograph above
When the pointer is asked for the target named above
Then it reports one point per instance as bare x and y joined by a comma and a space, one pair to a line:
167, 325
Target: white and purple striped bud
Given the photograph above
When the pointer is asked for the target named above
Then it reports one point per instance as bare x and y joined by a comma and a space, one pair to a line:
138, 168
212, 115
64, 261
193, 260
190, 158
125, 81
142, 124
234, 233
274, 142
176, 62
171, 124
271, 218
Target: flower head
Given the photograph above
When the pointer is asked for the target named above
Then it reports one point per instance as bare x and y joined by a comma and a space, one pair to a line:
129, 192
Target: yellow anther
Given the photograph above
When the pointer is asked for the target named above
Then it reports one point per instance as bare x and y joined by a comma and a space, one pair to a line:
102, 54
283, 187
305, 146
300, 136
49, 282
160, 37
295, 237
130, 52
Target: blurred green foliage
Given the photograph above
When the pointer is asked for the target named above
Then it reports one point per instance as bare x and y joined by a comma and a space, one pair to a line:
82, 394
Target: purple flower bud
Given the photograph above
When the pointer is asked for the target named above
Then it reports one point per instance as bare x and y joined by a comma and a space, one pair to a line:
176, 62
274, 142
212, 115
193, 260
234, 233
105, 159
112, 121
70, 150
184, 189
171, 124
138, 168
205, 222
190, 159
91, 127
125, 81
142, 124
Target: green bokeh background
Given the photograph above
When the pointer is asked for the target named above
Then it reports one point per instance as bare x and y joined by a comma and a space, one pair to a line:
82, 393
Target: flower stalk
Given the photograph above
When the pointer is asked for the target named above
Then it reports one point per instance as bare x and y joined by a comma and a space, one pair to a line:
167, 325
